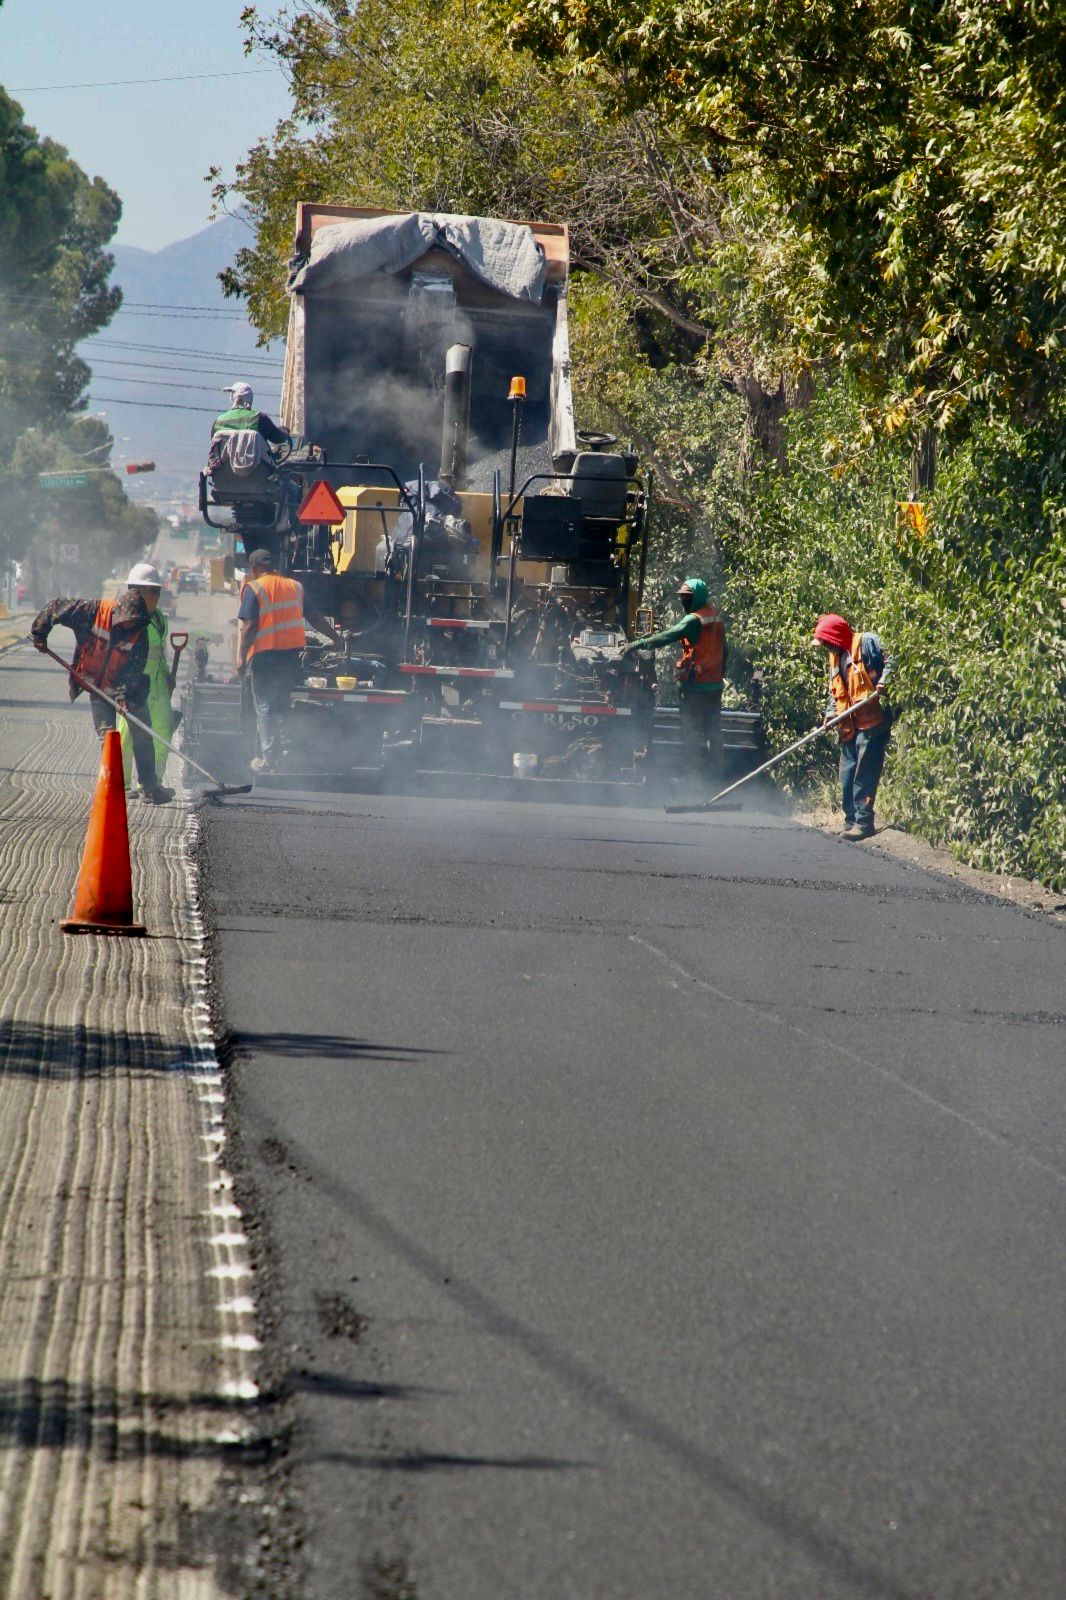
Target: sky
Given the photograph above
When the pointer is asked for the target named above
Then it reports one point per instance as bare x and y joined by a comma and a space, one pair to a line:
153, 142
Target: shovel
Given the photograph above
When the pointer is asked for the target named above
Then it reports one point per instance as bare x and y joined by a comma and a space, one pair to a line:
706, 805
178, 642
219, 788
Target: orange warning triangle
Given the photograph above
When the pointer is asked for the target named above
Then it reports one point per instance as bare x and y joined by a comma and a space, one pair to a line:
321, 504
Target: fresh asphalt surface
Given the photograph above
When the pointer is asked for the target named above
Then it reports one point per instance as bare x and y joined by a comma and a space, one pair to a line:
657, 1209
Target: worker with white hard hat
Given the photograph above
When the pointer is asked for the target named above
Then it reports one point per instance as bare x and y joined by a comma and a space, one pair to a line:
147, 581
111, 654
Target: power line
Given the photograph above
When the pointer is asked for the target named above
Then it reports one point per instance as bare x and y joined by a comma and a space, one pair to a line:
139, 307
156, 405
179, 350
121, 83
261, 362
268, 378
263, 368
161, 383
265, 380
223, 317
205, 314
157, 305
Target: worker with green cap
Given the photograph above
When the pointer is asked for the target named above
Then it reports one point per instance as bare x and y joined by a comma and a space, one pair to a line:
146, 581
701, 635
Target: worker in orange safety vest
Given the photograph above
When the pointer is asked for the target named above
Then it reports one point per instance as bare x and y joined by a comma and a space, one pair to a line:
112, 653
859, 670
700, 666
272, 635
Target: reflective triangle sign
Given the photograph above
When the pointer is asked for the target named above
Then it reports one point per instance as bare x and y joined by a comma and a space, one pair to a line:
321, 504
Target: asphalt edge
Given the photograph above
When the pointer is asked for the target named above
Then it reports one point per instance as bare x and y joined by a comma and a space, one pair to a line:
892, 839
260, 1522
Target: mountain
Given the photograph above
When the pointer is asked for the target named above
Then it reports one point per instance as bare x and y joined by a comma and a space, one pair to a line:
173, 344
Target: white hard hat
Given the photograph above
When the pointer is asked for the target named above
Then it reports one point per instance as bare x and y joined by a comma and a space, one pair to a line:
241, 392
144, 576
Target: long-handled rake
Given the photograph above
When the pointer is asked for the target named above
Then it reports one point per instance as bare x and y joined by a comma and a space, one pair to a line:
219, 788
706, 805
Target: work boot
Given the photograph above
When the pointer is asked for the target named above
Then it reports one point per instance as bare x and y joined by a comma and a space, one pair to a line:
852, 831
864, 830
157, 795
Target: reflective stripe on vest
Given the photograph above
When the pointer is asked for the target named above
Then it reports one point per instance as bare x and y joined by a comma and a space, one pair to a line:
235, 420
859, 684
704, 661
102, 659
281, 614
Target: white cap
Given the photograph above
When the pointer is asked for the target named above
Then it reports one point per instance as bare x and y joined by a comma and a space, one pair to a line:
241, 392
144, 576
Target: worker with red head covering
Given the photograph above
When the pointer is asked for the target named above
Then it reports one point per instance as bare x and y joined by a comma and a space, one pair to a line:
859, 671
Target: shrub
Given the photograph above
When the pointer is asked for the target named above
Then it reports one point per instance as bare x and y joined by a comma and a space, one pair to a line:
974, 614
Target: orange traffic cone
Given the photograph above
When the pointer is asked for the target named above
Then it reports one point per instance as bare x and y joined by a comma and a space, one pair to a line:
104, 899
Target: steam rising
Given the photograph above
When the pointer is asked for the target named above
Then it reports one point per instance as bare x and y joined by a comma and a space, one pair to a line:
375, 384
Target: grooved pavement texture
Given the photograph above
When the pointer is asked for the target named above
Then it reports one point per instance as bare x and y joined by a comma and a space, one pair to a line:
110, 1337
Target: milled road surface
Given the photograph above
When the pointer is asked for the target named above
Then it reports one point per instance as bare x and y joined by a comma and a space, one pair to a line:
656, 1210
120, 1339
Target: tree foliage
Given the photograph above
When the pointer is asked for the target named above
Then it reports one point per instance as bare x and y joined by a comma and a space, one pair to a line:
974, 613
55, 223
414, 104
802, 231
894, 171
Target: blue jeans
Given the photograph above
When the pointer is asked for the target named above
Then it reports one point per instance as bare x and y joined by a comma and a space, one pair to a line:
274, 673
861, 762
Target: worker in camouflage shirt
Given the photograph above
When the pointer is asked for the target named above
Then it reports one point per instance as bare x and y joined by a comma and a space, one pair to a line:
111, 652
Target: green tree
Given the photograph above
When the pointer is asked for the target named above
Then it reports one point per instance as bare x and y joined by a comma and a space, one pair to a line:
762, 253
414, 104
54, 292
894, 172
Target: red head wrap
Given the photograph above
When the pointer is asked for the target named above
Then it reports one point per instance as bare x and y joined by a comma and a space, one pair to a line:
833, 630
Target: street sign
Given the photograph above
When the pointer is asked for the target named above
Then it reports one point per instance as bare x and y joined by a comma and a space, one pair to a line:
321, 504
63, 480
69, 552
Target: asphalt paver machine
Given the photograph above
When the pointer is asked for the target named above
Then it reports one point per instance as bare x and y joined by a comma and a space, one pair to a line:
483, 559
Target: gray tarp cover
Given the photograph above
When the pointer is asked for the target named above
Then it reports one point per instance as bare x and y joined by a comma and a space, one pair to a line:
505, 255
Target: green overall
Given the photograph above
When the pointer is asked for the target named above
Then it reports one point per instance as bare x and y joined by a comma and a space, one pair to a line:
159, 712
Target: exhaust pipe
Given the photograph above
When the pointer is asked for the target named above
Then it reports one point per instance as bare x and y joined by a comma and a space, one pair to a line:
456, 430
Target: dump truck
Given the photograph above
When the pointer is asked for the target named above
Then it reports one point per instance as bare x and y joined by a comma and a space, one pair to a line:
483, 559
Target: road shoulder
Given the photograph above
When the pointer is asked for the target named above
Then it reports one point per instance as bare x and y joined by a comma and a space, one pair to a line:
896, 842
128, 1375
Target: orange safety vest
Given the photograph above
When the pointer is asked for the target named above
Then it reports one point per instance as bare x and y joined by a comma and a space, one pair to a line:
845, 693
281, 613
704, 661
100, 658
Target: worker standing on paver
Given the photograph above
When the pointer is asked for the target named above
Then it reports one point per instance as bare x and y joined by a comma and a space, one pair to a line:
112, 651
272, 635
700, 666
859, 669
241, 416
147, 581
